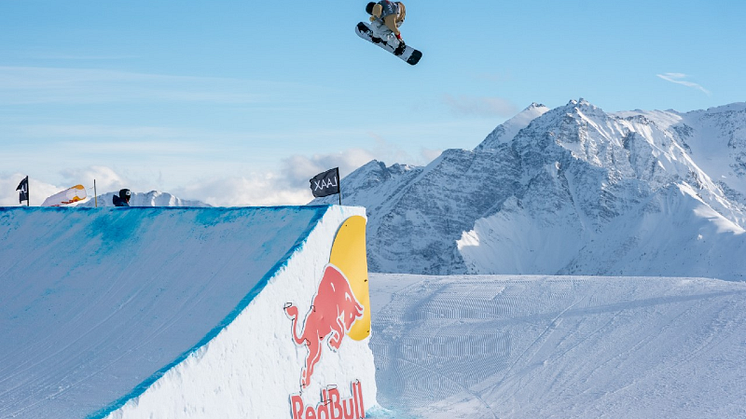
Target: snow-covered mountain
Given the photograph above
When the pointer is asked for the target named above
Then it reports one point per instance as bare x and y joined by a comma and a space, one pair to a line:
571, 190
145, 199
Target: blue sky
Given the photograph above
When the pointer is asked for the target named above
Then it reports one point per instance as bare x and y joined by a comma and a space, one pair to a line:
239, 103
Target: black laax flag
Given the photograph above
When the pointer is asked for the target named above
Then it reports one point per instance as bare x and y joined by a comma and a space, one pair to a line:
325, 184
23, 190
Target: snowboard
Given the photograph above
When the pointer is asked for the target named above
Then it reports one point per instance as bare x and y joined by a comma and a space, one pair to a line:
408, 54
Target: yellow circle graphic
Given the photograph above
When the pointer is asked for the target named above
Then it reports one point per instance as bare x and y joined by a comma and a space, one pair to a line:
350, 256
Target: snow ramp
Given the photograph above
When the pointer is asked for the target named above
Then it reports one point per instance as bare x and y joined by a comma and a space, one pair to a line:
184, 313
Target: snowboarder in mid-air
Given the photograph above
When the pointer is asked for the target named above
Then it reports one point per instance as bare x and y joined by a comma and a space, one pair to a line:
383, 30
386, 17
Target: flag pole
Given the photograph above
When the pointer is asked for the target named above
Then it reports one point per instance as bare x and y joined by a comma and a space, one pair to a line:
339, 180
28, 193
95, 196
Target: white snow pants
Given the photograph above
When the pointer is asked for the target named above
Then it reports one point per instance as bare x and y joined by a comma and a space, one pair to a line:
380, 30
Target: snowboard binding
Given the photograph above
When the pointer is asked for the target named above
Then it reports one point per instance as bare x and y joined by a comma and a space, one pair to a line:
400, 49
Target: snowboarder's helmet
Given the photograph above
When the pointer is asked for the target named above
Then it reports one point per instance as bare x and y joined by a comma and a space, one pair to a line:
125, 194
369, 8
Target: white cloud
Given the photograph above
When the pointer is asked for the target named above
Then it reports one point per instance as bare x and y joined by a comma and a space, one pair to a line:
430, 154
38, 190
495, 77
679, 78
253, 189
106, 178
480, 106
35, 85
288, 185
97, 132
285, 184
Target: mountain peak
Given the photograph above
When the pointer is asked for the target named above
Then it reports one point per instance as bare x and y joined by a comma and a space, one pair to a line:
505, 132
534, 105
582, 107
580, 103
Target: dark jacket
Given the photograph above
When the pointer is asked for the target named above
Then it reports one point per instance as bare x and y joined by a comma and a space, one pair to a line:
119, 202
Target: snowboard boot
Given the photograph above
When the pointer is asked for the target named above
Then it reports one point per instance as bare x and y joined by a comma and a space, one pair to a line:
400, 49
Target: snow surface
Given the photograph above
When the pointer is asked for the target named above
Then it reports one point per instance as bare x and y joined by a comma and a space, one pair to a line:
163, 312
559, 347
172, 313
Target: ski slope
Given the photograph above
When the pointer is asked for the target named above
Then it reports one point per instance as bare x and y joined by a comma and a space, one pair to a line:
559, 347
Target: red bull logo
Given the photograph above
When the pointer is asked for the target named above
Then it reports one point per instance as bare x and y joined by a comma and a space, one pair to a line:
334, 309
332, 406
339, 308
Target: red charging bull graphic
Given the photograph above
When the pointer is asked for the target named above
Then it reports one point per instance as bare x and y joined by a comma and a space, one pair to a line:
334, 309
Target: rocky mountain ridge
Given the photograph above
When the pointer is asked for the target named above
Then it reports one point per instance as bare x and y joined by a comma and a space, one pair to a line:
570, 190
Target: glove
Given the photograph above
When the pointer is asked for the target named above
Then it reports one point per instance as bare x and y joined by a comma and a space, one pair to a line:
373, 18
